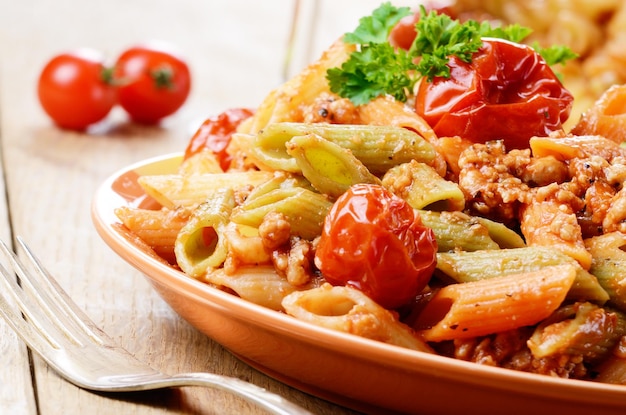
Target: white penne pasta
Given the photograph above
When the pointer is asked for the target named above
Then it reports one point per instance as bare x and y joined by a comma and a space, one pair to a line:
471, 309
174, 190
258, 284
349, 310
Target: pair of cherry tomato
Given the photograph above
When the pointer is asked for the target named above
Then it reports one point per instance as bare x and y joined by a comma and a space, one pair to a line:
77, 89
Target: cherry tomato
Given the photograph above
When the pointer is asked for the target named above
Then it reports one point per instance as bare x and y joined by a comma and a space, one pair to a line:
507, 92
74, 89
215, 134
154, 82
373, 241
403, 33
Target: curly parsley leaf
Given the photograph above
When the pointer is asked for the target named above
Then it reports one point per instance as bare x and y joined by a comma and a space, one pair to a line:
555, 55
376, 28
371, 72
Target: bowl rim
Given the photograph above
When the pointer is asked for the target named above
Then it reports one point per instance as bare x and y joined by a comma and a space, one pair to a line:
105, 200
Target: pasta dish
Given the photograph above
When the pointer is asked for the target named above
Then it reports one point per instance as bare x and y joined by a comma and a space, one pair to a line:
429, 183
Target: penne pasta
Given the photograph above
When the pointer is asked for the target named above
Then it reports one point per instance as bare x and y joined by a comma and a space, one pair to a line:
286, 102
570, 147
258, 284
304, 209
156, 228
378, 147
421, 186
349, 310
553, 224
471, 309
200, 244
478, 265
173, 190
385, 110
459, 231
330, 168
607, 118
581, 329
202, 162
609, 265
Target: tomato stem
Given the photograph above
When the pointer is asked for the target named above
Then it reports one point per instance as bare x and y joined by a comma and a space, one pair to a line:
106, 76
163, 77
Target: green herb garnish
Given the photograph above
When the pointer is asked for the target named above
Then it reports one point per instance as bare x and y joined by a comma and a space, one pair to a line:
377, 68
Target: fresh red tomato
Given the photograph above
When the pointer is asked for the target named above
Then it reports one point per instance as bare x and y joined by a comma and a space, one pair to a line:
74, 89
215, 134
373, 241
507, 92
154, 82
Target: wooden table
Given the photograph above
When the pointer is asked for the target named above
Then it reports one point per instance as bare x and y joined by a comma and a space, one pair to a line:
236, 50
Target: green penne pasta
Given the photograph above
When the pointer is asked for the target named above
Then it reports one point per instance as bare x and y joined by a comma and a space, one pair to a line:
459, 231
378, 147
581, 329
199, 244
479, 265
421, 186
330, 168
456, 230
609, 265
304, 209
502, 235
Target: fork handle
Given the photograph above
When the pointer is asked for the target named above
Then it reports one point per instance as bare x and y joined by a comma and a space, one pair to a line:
273, 403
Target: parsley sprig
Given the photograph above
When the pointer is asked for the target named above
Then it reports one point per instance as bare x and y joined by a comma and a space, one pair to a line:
377, 68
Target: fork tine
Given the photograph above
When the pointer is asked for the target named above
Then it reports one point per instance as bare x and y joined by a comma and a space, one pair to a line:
30, 331
51, 293
47, 312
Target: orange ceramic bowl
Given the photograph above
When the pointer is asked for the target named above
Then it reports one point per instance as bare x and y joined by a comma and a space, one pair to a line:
362, 374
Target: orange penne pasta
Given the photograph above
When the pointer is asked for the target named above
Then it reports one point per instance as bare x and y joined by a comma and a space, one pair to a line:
385, 110
156, 228
499, 304
607, 117
569, 147
285, 103
550, 223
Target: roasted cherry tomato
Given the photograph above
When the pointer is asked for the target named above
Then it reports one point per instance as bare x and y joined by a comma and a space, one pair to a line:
154, 82
507, 92
75, 89
373, 241
215, 134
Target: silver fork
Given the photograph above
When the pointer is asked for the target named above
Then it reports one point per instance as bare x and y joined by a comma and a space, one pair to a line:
54, 327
